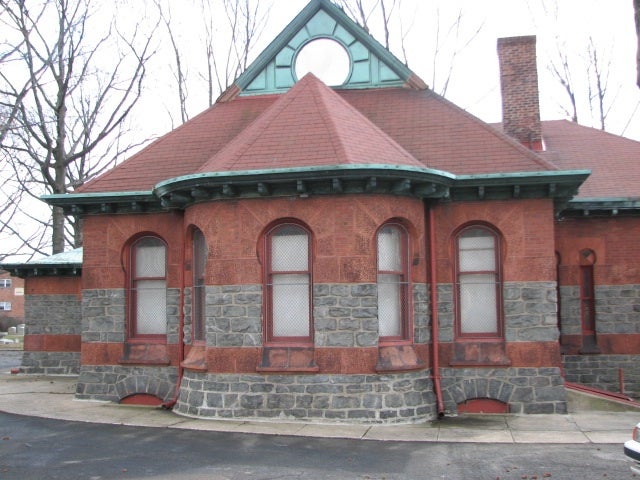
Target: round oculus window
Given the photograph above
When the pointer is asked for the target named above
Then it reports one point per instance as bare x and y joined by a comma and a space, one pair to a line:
326, 59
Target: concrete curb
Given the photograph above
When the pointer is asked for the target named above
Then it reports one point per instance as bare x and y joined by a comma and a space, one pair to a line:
53, 397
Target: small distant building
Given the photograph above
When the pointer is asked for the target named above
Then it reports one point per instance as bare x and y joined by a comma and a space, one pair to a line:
363, 252
11, 301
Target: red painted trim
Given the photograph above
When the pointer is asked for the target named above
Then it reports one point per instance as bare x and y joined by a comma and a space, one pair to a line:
483, 405
52, 343
142, 399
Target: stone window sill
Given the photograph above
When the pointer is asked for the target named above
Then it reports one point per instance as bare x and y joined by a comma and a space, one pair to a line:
397, 358
288, 360
145, 354
196, 359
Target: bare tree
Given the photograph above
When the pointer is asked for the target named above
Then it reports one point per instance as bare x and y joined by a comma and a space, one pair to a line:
598, 71
448, 42
67, 126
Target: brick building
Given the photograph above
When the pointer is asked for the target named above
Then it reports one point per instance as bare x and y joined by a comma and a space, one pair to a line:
363, 252
11, 301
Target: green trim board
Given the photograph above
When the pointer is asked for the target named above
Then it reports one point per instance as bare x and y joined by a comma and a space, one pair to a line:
426, 183
370, 64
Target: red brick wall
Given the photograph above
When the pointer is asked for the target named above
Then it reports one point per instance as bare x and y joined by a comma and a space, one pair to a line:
53, 285
527, 228
519, 88
614, 241
106, 235
9, 295
343, 228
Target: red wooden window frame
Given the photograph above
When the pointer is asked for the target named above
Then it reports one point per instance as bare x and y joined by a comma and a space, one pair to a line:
271, 339
587, 292
496, 272
133, 334
199, 254
404, 281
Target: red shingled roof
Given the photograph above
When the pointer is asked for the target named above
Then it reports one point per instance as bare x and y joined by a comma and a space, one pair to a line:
310, 125
313, 125
614, 161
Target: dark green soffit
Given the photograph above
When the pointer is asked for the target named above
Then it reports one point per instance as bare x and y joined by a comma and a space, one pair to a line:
180, 192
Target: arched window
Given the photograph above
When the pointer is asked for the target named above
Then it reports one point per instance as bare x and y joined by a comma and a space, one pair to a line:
148, 287
392, 282
198, 298
478, 283
288, 284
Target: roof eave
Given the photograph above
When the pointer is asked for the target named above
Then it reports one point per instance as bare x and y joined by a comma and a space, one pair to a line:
419, 182
602, 207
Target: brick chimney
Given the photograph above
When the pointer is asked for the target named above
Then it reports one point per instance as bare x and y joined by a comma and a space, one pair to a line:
519, 87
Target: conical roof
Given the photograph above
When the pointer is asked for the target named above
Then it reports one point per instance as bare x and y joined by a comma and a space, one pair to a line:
310, 125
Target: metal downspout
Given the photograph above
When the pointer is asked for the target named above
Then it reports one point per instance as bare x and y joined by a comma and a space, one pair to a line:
435, 342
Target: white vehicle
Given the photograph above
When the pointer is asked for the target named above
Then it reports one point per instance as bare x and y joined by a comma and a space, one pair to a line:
632, 450
5, 341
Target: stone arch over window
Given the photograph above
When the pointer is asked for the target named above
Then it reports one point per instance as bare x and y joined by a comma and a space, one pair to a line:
472, 389
157, 385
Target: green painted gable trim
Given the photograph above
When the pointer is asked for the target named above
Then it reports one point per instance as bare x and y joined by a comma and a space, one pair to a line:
371, 64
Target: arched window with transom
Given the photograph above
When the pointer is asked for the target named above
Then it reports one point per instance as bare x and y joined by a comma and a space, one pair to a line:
288, 284
148, 288
198, 297
393, 282
478, 289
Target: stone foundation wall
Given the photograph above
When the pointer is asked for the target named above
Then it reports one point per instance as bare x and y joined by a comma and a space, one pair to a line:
602, 371
397, 398
526, 390
53, 314
115, 382
50, 363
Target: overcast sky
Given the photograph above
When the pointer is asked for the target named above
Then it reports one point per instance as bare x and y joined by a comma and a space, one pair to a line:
475, 78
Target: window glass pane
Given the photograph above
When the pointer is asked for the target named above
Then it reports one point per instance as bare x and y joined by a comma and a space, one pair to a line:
289, 249
477, 253
389, 249
150, 258
389, 305
200, 253
151, 307
478, 304
291, 305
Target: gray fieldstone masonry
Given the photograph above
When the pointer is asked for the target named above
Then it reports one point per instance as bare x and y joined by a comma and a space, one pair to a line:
602, 372
529, 312
115, 382
233, 316
526, 390
104, 315
345, 315
52, 315
50, 363
617, 312
617, 309
397, 398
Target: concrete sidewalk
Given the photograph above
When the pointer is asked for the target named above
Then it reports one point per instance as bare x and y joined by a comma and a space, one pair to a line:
590, 420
